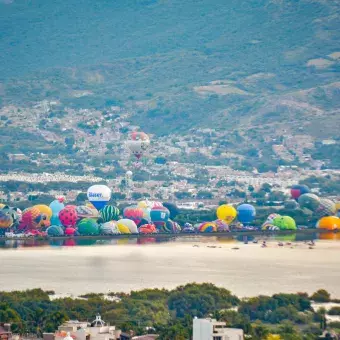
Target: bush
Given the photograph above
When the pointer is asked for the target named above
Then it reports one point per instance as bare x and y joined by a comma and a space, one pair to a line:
334, 311
321, 296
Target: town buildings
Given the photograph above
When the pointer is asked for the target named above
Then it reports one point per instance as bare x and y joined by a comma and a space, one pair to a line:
210, 329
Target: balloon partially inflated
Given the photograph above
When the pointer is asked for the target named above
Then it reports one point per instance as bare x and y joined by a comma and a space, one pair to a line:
99, 195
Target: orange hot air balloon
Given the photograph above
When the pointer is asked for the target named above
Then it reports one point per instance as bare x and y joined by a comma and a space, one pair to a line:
329, 223
32, 218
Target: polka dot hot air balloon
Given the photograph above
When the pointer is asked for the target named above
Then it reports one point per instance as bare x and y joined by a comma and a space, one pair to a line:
109, 213
297, 190
68, 217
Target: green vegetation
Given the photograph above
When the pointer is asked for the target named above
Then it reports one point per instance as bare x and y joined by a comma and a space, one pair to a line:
168, 312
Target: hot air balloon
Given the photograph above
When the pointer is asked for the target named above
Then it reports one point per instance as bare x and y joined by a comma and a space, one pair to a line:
56, 206
68, 217
69, 231
222, 225
207, 227
55, 230
109, 213
297, 190
309, 201
271, 218
138, 143
6, 220
44, 209
99, 195
15, 214
159, 216
133, 213
109, 228
170, 227
326, 208
329, 223
226, 213
285, 223
83, 211
129, 224
147, 229
33, 219
246, 213
88, 226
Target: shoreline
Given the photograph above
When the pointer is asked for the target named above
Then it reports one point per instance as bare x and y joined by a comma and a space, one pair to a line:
175, 235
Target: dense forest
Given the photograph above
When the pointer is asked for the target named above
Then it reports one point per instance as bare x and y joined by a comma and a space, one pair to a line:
170, 312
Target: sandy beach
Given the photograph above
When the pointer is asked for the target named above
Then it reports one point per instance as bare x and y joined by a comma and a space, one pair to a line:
247, 271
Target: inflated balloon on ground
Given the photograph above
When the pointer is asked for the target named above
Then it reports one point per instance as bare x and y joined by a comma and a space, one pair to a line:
109, 213
88, 226
109, 228
207, 227
226, 213
329, 223
246, 213
133, 213
297, 190
55, 230
129, 224
284, 223
68, 217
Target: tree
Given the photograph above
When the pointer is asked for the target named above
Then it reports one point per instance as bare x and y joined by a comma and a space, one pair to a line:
136, 195
204, 195
117, 196
81, 197
321, 296
266, 187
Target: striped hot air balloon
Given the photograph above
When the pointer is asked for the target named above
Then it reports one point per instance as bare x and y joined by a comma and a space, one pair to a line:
109, 213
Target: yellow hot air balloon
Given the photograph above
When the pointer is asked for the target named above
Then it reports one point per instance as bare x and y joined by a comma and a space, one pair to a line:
44, 209
226, 213
123, 228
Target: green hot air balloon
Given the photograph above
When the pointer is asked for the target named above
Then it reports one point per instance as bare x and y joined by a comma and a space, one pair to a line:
285, 223
109, 213
88, 226
309, 201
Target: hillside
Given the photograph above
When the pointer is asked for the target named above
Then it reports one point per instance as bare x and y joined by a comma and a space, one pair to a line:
269, 68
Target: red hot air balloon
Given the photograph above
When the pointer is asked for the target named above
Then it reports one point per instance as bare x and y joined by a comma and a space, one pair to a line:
297, 190
133, 213
68, 217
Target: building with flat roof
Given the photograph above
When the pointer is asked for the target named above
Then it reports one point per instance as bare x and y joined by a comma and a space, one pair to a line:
78, 330
210, 329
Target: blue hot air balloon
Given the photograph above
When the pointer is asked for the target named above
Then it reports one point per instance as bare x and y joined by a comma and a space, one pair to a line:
56, 206
246, 213
99, 195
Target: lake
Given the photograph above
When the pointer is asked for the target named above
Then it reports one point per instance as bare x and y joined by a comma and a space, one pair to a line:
73, 267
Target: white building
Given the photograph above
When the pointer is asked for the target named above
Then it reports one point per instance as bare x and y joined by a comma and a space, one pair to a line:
210, 329
76, 330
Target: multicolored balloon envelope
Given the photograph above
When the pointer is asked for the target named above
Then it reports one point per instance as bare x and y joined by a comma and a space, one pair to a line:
207, 227
109, 228
33, 219
6, 220
55, 230
222, 225
133, 213
147, 229
109, 213
325, 208
44, 209
127, 226
138, 143
297, 190
159, 215
309, 201
99, 195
